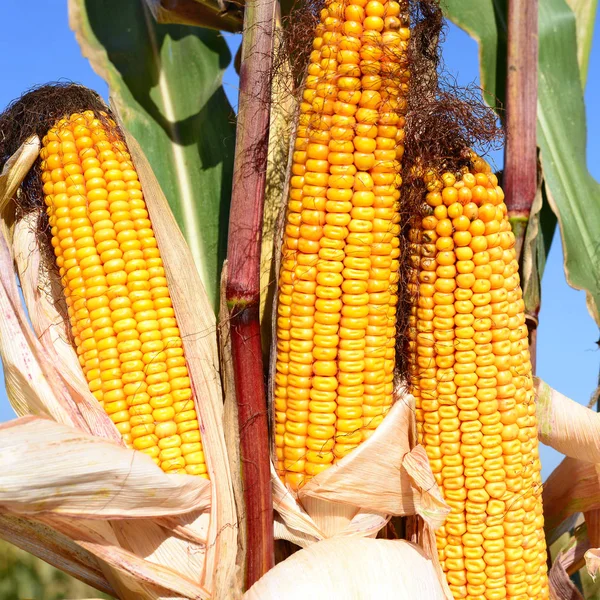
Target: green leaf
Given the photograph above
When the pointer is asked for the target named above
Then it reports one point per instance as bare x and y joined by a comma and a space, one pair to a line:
572, 192
486, 22
585, 17
165, 81
538, 237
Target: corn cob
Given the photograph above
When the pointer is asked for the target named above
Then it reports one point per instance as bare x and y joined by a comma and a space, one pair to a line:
339, 271
472, 380
120, 311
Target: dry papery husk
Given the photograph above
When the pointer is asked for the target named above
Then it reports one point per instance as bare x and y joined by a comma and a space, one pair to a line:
70, 491
573, 488
568, 561
363, 568
381, 478
356, 497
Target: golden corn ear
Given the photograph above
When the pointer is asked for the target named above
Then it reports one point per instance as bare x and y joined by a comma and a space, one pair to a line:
339, 273
472, 380
120, 310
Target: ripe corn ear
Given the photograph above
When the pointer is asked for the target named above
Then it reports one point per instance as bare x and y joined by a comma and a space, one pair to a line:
339, 272
120, 311
472, 380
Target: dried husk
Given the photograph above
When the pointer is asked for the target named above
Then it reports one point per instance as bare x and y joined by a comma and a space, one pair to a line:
567, 558
574, 430
283, 107
363, 568
561, 586
105, 513
358, 495
86, 476
592, 561
574, 486
567, 426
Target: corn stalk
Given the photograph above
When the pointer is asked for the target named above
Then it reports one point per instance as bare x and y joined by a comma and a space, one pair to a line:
242, 287
520, 161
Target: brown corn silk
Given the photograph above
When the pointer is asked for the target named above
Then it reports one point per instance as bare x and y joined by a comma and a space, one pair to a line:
472, 380
338, 281
122, 320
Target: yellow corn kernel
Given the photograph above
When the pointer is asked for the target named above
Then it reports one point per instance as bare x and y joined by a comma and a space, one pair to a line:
114, 282
339, 273
472, 404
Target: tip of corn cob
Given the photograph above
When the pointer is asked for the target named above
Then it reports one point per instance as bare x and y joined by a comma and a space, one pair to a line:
102, 243
34, 113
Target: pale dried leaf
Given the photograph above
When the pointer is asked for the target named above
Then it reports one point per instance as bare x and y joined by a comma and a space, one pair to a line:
197, 324
574, 430
571, 554
31, 385
16, 168
281, 531
159, 546
43, 294
131, 575
567, 426
334, 517
363, 568
50, 467
384, 475
561, 586
293, 516
54, 548
592, 561
574, 486
319, 519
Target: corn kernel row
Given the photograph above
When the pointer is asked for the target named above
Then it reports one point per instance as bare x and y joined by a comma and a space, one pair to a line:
339, 273
119, 307
472, 380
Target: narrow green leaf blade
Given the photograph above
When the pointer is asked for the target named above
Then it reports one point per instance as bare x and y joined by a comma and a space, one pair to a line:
486, 22
585, 16
573, 193
165, 81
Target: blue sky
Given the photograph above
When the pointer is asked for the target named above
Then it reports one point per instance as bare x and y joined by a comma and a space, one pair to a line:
37, 46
